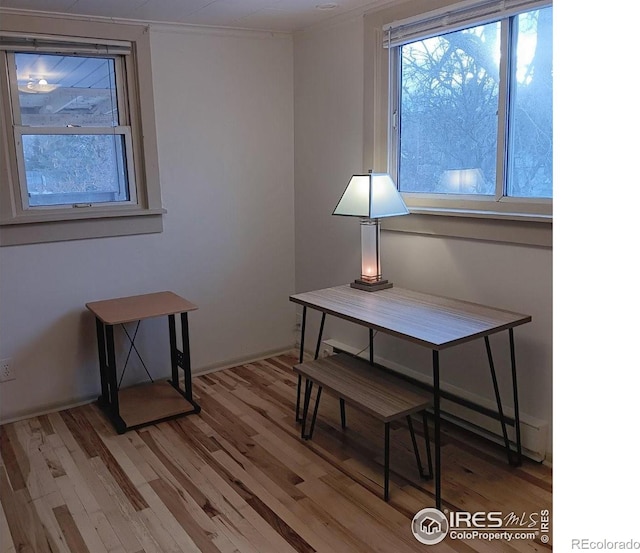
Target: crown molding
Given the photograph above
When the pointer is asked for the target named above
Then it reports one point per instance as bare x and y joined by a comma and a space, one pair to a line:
160, 26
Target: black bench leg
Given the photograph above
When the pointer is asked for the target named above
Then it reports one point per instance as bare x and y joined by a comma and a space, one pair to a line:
298, 418
415, 447
343, 415
305, 409
315, 413
386, 461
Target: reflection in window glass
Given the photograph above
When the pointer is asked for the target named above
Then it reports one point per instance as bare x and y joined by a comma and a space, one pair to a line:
61, 91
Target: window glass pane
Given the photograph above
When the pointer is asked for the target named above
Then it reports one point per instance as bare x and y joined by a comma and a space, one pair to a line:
531, 141
448, 112
71, 168
59, 91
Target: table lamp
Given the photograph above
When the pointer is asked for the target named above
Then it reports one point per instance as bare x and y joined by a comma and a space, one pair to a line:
371, 197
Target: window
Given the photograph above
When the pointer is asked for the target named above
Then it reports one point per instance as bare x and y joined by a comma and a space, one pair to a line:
73, 143
471, 102
74, 112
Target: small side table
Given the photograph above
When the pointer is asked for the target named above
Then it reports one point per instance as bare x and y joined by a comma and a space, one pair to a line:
143, 404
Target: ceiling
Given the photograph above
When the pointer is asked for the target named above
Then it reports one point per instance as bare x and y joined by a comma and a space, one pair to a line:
269, 15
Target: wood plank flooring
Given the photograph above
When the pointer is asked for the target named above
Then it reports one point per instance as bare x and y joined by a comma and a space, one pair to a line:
237, 478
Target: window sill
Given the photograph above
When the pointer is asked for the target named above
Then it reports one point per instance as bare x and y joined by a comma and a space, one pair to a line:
53, 215
484, 214
510, 228
20, 231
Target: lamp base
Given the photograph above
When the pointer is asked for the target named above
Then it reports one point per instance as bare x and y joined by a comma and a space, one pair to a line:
371, 286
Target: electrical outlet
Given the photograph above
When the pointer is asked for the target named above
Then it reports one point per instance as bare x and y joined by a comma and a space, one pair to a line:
5, 371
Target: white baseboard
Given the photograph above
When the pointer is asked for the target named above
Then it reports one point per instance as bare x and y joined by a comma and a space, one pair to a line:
77, 402
534, 432
234, 362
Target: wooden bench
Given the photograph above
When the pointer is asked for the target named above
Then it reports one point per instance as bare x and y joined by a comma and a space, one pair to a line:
378, 392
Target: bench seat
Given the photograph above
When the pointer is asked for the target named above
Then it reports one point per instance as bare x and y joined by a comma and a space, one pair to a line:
378, 392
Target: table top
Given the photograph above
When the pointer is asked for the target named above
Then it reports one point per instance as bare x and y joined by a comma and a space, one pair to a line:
135, 308
433, 321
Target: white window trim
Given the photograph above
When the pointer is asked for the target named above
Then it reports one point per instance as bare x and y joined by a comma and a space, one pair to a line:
20, 226
468, 218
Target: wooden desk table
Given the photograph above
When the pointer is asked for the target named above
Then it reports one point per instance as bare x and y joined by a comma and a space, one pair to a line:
435, 322
143, 404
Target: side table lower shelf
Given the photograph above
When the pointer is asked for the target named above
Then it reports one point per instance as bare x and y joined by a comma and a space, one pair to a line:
149, 403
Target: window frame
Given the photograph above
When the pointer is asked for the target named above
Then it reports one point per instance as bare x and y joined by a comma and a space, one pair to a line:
518, 221
23, 224
500, 204
122, 129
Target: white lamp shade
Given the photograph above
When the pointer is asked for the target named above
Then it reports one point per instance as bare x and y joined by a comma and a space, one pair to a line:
373, 195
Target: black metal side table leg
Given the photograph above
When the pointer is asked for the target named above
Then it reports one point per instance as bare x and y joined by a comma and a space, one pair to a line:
181, 359
103, 400
173, 347
114, 405
186, 359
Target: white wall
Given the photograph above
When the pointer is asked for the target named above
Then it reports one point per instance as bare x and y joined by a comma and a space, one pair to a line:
328, 79
224, 118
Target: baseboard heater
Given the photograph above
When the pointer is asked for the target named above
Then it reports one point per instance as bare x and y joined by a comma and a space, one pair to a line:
464, 409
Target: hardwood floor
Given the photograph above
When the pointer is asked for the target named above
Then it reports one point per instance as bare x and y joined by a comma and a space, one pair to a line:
237, 478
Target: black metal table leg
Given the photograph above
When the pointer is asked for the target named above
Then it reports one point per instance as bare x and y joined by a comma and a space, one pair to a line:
343, 414
516, 406
301, 359
436, 414
386, 461
319, 341
371, 346
496, 391
425, 429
